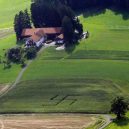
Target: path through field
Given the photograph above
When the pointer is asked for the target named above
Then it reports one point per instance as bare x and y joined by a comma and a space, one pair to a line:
53, 121
4, 92
6, 32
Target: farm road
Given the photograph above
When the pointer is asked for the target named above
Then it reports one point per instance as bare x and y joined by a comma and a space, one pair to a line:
6, 32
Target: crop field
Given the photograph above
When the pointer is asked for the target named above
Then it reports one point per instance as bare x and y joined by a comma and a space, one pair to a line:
83, 80
64, 95
51, 121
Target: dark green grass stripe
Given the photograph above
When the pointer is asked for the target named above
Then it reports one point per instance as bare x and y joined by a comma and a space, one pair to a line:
100, 54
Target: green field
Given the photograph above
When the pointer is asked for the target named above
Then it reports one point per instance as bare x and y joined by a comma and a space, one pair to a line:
85, 80
8, 9
8, 75
120, 124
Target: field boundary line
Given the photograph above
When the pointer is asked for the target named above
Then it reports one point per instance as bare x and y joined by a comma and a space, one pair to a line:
5, 32
119, 87
6, 28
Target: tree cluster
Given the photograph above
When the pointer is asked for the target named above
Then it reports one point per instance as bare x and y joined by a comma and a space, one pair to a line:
31, 53
14, 54
83, 4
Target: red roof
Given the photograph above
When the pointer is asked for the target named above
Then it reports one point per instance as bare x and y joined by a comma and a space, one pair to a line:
33, 31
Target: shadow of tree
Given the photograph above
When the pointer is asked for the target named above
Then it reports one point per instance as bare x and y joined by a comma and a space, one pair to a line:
20, 42
69, 49
123, 12
93, 11
89, 12
123, 122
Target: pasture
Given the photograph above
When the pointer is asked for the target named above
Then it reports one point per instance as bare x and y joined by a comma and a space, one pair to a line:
8, 75
9, 8
85, 80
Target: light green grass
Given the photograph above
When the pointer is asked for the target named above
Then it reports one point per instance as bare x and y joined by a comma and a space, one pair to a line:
85, 80
106, 32
8, 9
121, 124
8, 75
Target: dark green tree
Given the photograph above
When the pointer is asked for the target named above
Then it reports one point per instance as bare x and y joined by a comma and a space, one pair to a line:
21, 21
119, 107
14, 54
31, 53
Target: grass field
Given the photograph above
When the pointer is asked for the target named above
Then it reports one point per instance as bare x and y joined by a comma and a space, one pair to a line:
85, 80
8, 75
9, 8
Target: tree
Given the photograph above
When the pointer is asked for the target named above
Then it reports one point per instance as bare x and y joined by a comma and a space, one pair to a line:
21, 21
14, 54
68, 30
119, 107
31, 53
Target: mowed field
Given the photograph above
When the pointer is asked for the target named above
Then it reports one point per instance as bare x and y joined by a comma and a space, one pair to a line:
85, 80
9, 8
50, 121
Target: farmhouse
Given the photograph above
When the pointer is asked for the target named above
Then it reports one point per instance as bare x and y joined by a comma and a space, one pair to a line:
38, 36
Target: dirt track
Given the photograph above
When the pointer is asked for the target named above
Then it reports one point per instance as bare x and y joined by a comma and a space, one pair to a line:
3, 88
46, 122
6, 32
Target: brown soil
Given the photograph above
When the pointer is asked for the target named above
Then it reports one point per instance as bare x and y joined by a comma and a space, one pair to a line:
52, 121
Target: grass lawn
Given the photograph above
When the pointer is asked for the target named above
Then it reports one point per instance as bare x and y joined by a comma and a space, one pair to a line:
9, 8
85, 80
8, 75
121, 124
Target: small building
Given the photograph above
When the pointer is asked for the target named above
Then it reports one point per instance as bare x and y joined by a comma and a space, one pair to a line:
39, 35
60, 39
